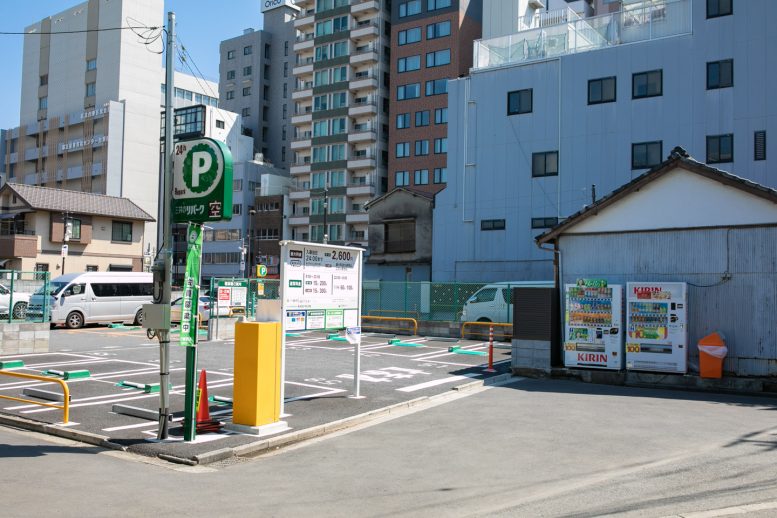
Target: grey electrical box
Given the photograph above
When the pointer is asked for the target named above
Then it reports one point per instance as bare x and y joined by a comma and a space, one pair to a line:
156, 316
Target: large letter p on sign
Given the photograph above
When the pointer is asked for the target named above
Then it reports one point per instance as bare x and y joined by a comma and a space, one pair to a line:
201, 162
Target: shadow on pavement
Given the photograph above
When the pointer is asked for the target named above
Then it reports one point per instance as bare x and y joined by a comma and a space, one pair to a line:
27, 451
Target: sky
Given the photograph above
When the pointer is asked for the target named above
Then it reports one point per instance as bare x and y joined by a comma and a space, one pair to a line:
200, 25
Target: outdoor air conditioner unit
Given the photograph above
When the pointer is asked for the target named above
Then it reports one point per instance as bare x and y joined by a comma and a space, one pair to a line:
259, 157
537, 4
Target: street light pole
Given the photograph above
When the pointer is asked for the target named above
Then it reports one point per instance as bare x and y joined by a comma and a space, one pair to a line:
251, 214
326, 208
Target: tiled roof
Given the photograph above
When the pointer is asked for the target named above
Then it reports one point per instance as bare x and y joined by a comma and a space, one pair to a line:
60, 200
677, 158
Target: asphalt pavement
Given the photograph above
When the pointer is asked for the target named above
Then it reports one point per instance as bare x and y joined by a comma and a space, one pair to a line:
531, 448
319, 381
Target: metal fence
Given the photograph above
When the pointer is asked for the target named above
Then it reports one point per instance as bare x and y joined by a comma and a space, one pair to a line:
423, 301
17, 288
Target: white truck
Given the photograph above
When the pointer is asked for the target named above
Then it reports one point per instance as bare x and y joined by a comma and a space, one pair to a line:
18, 299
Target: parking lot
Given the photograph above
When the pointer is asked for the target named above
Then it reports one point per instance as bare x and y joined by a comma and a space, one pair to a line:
319, 377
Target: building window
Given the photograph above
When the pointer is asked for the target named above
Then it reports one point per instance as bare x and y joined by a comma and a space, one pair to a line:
645, 155
519, 101
237, 209
267, 51
230, 75
403, 120
248, 50
437, 87
409, 63
716, 8
441, 175
421, 147
759, 142
230, 94
283, 154
285, 90
91, 89
245, 112
284, 113
121, 231
647, 84
438, 30
441, 116
401, 178
601, 90
421, 177
409, 8
544, 222
219, 124
92, 268
403, 149
433, 5
438, 58
411, 91
422, 118
246, 91
720, 74
440, 145
43, 103
720, 149
409, 36
230, 54
285, 48
91, 64
44, 80
285, 69
492, 224
400, 236
75, 229
544, 164
247, 71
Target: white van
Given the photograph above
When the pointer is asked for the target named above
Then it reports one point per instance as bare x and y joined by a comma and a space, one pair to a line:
95, 297
493, 302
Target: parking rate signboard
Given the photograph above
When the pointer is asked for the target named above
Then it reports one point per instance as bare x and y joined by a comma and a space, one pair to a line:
320, 286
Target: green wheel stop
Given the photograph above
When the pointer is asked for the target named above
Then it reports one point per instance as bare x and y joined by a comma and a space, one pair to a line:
459, 350
11, 364
399, 343
67, 375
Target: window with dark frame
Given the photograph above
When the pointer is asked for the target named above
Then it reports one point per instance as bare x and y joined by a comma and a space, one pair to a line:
717, 8
399, 236
544, 164
519, 101
121, 231
645, 155
759, 145
409, 36
441, 175
403, 120
602, 90
492, 224
544, 222
401, 178
422, 118
438, 30
720, 149
720, 74
647, 84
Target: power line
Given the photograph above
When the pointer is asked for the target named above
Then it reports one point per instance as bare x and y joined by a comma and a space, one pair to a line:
33, 33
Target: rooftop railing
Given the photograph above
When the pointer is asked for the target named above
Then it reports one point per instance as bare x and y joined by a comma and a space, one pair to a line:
636, 22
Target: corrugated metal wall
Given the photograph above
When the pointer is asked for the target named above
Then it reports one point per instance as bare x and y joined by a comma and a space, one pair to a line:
744, 308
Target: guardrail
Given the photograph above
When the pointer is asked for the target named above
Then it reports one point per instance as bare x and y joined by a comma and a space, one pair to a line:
412, 321
486, 324
65, 407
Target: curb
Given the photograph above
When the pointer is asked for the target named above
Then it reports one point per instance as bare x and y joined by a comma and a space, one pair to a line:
49, 429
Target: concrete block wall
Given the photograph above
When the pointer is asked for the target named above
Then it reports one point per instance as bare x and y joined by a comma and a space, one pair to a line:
531, 356
24, 337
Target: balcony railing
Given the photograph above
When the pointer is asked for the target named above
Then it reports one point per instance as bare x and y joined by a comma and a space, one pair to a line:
307, 85
305, 37
304, 61
636, 22
303, 111
302, 135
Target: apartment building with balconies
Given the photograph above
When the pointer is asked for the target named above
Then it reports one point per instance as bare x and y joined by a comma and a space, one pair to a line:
340, 117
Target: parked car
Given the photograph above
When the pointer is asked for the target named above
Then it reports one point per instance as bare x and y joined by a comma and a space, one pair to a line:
20, 302
203, 308
493, 302
76, 299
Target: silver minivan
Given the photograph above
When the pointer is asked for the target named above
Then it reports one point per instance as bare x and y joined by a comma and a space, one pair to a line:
76, 299
493, 302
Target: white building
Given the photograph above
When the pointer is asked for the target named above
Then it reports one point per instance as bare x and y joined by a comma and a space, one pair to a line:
568, 103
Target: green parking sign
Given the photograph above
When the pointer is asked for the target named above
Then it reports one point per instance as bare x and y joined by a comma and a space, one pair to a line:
202, 181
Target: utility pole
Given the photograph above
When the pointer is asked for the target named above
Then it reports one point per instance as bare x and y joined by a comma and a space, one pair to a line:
163, 267
251, 214
67, 231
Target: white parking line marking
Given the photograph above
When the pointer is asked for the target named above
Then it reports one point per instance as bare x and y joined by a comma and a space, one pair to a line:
318, 394
434, 383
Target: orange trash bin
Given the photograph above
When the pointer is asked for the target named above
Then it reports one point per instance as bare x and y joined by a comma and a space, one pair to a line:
712, 352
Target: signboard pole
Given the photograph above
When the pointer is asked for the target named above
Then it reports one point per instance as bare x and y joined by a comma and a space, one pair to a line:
190, 324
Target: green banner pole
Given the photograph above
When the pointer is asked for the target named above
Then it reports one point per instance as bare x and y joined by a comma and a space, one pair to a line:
190, 325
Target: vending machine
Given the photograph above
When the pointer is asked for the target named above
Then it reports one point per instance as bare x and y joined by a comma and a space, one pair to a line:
657, 327
593, 331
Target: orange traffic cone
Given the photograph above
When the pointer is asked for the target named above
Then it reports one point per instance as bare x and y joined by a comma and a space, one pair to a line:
204, 422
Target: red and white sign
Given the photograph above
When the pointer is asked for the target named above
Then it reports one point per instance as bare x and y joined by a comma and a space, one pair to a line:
225, 297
